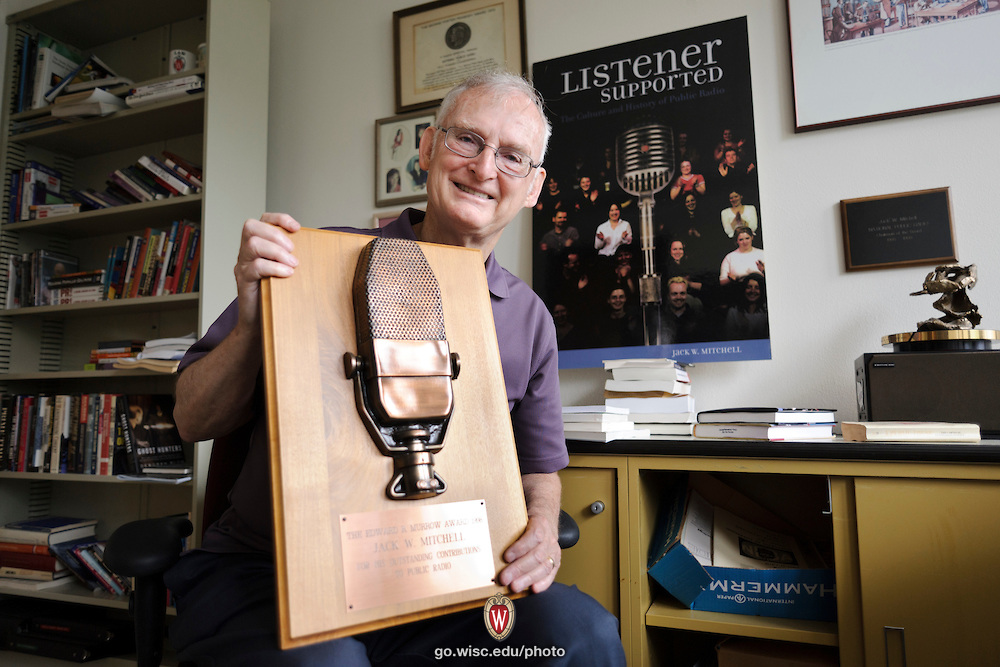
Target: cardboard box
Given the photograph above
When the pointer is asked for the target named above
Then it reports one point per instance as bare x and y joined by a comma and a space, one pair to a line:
758, 653
807, 593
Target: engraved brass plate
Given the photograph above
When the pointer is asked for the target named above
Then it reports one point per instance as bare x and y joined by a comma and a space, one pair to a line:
412, 553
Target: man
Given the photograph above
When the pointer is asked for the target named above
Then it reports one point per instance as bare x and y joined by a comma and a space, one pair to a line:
483, 166
681, 321
562, 235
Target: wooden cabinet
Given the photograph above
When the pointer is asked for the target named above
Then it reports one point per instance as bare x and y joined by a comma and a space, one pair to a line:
928, 552
912, 544
224, 128
595, 564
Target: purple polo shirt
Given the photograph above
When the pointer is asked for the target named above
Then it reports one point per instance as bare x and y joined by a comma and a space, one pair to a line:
527, 341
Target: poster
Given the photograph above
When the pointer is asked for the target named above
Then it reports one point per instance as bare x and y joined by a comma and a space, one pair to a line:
649, 234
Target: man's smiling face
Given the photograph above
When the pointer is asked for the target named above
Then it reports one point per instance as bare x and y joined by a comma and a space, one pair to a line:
469, 198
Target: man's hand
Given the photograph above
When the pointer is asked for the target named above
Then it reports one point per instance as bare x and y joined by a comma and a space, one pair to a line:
534, 558
265, 251
210, 396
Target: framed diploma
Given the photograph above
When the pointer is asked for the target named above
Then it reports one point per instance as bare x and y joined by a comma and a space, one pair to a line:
439, 44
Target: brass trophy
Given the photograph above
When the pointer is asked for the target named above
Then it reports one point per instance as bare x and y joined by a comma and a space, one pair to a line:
956, 330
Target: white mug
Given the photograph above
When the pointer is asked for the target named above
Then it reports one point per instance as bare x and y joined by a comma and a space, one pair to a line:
181, 61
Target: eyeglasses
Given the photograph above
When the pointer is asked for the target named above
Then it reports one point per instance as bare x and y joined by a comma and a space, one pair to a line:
469, 144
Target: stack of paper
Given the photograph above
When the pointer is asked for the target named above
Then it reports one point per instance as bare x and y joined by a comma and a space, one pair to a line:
599, 423
656, 392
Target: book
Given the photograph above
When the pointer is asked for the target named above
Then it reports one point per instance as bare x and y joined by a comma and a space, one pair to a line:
45, 562
32, 584
47, 530
64, 552
593, 409
636, 387
593, 418
903, 431
655, 428
166, 175
90, 74
646, 369
755, 431
770, 415
52, 65
665, 417
154, 435
32, 574
158, 365
602, 436
664, 404
97, 102
607, 427
144, 97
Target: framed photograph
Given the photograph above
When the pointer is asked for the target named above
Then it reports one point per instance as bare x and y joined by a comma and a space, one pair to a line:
438, 44
398, 176
903, 229
855, 61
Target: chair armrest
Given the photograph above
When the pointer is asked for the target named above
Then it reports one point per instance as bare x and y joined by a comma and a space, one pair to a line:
147, 546
569, 531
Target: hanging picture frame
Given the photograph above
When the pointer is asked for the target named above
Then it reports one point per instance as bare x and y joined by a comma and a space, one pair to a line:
439, 44
399, 179
855, 62
901, 229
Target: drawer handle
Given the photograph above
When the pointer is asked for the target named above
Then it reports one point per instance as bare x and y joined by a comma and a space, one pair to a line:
899, 645
596, 507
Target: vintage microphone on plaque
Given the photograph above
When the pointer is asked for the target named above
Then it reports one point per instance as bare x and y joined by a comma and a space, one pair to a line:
645, 165
403, 370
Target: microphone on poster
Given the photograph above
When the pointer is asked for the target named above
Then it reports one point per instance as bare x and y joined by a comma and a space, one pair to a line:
645, 165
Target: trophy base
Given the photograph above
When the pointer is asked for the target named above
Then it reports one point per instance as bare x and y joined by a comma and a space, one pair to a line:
945, 339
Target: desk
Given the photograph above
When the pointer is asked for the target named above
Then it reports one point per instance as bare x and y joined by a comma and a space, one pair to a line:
914, 530
949, 11
854, 29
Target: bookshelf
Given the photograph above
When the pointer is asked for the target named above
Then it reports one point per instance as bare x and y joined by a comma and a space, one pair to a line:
224, 128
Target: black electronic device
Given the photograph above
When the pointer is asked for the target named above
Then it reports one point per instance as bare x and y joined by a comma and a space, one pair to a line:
945, 385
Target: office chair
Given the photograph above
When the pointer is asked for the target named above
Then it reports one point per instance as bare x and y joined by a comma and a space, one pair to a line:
147, 548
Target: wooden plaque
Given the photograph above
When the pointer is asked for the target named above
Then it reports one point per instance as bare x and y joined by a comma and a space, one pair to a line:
327, 471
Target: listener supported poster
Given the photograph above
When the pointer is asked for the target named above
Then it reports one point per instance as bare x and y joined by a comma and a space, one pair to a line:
649, 234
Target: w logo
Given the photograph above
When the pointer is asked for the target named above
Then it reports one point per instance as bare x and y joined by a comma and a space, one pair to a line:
498, 613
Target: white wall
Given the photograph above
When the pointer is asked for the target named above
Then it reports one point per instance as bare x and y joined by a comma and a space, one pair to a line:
332, 76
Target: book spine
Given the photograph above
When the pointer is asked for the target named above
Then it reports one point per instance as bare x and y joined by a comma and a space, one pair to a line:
165, 176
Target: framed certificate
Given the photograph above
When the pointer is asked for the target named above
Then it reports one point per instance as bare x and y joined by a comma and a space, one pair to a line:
439, 44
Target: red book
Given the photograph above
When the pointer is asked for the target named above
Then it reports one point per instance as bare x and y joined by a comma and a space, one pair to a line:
18, 547
28, 561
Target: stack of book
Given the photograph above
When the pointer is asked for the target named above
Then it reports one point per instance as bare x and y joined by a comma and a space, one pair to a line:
150, 178
160, 354
95, 102
77, 287
29, 550
109, 352
656, 392
766, 423
162, 91
600, 423
36, 191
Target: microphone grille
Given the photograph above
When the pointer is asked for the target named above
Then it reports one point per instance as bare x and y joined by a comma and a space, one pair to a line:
645, 158
402, 298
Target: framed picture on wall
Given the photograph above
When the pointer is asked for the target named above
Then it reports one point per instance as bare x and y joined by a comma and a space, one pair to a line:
438, 44
398, 176
855, 61
902, 229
